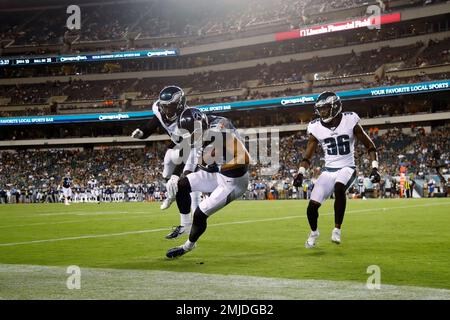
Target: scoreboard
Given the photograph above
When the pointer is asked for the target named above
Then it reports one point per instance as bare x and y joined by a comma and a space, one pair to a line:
24, 61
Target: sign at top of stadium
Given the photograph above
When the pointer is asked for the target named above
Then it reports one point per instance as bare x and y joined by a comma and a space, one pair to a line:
339, 26
336, 27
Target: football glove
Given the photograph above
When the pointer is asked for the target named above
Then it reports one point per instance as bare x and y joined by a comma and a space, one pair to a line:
172, 186
298, 180
375, 176
137, 134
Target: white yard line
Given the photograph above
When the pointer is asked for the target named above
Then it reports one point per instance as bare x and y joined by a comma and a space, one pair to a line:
42, 282
130, 216
375, 210
83, 237
82, 213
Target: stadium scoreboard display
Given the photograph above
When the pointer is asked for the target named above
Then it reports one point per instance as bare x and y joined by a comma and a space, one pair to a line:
21, 61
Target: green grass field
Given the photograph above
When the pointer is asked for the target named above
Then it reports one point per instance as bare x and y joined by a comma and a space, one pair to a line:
250, 250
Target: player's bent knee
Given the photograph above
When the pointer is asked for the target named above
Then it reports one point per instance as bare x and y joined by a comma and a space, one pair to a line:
184, 185
313, 208
314, 204
200, 216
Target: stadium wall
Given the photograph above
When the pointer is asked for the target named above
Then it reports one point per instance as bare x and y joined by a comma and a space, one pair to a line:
92, 106
235, 65
285, 128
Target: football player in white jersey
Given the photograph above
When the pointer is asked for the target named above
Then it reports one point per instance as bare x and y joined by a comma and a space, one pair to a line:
223, 170
167, 109
335, 131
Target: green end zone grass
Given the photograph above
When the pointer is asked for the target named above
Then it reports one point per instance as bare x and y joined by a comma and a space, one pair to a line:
409, 239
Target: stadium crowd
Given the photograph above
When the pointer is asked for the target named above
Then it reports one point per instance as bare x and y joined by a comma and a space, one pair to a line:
189, 23
435, 50
341, 69
31, 172
143, 19
36, 175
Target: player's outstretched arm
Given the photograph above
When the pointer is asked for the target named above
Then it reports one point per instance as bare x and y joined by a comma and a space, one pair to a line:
371, 149
146, 130
306, 161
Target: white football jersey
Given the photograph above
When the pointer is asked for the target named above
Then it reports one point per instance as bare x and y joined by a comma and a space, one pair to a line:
338, 143
171, 128
173, 132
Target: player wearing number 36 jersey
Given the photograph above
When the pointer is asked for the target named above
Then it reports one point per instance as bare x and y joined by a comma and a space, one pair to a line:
336, 132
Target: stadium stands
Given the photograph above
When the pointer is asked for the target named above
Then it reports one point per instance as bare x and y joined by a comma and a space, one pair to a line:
233, 71
42, 170
279, 73
160, 19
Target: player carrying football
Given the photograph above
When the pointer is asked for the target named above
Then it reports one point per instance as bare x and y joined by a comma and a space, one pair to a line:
335, 132
223, 170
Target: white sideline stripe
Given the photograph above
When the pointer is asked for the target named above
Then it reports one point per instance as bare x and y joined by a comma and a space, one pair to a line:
81, 213
131, 216
83, 237
43, 282
87, 213
211, 225
45, 213
49, 213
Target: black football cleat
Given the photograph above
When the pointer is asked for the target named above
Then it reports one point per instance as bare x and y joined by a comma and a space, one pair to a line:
177, 232
178, 251
175, 252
